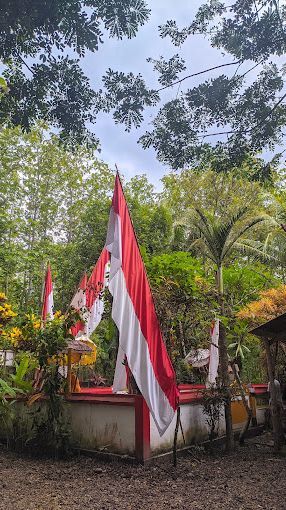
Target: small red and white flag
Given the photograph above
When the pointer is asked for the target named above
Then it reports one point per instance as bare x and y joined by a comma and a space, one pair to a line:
214, 354
134, 314
95, 288
79, 303
48, 297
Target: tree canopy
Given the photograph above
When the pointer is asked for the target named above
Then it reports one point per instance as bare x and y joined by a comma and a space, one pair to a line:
236, 111
55, 206
233, 114
40, 47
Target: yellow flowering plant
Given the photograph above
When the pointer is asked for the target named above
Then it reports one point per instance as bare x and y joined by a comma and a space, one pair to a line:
8, 334
27, 333
6, 311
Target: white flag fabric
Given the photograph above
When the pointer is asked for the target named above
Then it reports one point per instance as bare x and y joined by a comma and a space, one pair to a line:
96, 285
214, 354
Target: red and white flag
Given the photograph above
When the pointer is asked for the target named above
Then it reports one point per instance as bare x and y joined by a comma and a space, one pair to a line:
48, 297
79, 304
95, 288
133, 312
214, 354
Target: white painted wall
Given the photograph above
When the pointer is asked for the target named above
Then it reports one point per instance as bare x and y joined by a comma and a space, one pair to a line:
7, 358
260, 415
97, 426
194, 426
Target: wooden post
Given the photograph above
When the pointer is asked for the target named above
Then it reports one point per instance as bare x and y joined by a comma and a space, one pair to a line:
223, 365
245, 403
223, 369
69, 374
176, 437
275, 408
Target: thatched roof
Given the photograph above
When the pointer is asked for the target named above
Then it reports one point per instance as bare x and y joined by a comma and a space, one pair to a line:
78, 346
272, 330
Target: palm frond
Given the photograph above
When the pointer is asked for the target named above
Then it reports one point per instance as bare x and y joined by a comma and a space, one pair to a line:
200, 243
253, 249
241, 231
206, 228
224, 229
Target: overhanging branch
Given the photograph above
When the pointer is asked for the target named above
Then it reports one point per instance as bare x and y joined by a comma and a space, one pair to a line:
200, 72
245, 131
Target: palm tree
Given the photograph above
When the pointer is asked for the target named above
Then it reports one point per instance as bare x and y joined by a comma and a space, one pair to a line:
217, 238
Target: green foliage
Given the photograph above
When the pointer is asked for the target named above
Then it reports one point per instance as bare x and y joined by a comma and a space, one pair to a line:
106, 340
49, 193
50, 427
185, 301
46, 83
8, 395
6, 390
184, 373
235, 112
24, 368
180, 268
55, 205
238, 348
212, 401
217, 194
219, 237
151, 218
244, 282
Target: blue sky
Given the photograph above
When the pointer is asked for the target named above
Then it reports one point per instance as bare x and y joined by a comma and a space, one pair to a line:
130, 55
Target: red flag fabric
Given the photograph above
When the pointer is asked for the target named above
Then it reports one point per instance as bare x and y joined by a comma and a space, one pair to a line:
134, 313
79, 304
48, 297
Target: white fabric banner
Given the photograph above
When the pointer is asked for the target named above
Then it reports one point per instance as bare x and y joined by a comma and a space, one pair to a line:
214, 355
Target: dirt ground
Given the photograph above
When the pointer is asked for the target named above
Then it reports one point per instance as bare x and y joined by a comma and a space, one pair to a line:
252, 478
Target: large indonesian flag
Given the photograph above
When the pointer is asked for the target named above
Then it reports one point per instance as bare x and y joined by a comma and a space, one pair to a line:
48, 297
79, 304
214, 354
133, 312
94, 293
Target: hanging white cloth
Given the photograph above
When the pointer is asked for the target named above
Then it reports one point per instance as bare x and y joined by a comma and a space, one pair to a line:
214, 355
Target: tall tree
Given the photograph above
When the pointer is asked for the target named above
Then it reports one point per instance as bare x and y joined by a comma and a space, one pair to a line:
40, 47
50, 201
218, 238
152, 219
237, 110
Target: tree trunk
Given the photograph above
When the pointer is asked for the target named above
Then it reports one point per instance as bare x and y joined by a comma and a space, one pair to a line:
244, 401
275, 407
176, 437
223, 364
182, 340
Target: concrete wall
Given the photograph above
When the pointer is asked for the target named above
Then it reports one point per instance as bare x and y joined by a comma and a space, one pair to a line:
194, 426
260, 415
117, 424
109, 427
